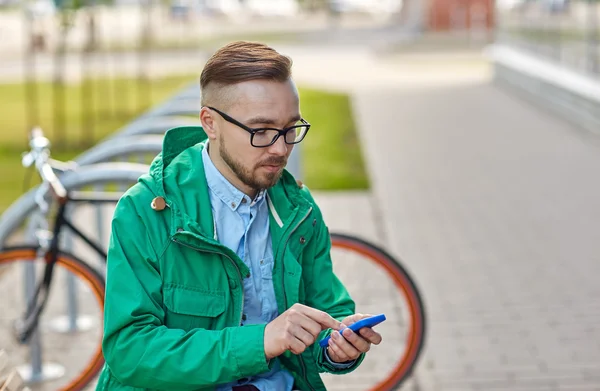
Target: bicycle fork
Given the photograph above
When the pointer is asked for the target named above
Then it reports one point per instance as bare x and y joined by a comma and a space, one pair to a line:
25, 326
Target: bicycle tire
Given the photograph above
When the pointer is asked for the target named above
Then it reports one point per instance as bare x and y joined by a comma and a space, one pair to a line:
94, 281
406, 285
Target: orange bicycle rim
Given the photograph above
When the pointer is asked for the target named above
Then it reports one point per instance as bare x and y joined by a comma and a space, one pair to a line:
415, 332
97, 287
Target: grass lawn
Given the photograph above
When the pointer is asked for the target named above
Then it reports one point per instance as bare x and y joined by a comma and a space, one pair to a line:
331, 153
113, 104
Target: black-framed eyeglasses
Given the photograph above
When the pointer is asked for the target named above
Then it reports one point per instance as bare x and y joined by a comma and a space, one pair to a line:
264, 137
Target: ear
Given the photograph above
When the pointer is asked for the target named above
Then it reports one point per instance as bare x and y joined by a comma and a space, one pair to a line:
209, 124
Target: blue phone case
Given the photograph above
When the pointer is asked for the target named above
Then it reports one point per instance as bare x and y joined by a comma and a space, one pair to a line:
367, 322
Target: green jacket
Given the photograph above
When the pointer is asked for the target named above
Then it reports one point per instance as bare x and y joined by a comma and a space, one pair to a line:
174, 295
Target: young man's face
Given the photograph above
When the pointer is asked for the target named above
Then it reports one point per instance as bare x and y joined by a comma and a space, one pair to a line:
256, 104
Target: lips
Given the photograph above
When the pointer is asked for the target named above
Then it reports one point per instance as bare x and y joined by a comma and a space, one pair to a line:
272, 168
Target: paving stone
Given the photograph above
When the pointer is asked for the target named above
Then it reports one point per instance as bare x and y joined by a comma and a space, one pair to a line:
506, 257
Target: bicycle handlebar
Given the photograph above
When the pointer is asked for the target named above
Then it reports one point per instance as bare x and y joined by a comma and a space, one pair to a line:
40, 156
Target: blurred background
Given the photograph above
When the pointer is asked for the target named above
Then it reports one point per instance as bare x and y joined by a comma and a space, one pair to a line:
461, 134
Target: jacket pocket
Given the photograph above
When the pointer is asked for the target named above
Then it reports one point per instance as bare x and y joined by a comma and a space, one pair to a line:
301, 240
190, 307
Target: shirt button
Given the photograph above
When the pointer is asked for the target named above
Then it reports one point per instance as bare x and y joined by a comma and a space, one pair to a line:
243, 316
248, 275
243, 201
233, 204
262, 261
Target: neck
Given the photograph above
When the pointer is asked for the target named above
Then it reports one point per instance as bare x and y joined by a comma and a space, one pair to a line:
228, 173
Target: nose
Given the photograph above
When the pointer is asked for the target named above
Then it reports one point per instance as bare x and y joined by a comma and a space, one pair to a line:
280, 148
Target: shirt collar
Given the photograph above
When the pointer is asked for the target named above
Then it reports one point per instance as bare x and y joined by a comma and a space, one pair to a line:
222, 188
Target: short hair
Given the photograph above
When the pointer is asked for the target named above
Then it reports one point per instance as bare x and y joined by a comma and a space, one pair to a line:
242, 61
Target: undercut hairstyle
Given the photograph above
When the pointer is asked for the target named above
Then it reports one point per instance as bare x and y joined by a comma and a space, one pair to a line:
239, 62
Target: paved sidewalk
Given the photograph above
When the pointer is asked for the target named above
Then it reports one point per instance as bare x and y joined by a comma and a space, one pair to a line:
494, 205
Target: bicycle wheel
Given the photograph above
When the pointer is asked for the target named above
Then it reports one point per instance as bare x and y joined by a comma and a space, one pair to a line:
379, 284
70, 357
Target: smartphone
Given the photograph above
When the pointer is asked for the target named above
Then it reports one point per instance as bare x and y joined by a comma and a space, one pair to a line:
367, 322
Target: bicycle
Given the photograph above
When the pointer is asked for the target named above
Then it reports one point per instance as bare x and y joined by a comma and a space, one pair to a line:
21, 264
406, 319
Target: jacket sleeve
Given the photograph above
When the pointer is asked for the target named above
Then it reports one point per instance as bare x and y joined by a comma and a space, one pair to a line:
139, 349
326, 292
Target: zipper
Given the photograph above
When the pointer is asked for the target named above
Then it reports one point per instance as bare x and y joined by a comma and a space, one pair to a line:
302, 364
237, 268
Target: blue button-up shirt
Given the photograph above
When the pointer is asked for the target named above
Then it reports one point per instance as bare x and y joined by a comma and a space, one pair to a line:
242, 224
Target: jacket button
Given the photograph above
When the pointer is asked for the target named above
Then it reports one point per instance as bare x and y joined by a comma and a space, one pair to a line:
158, 203
179, 229
302, 240
233, 284
314, 222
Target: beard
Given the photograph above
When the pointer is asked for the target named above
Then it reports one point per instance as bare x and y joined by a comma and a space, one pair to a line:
251, 177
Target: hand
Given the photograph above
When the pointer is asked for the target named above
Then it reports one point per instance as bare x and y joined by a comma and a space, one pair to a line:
296, 329
351, 345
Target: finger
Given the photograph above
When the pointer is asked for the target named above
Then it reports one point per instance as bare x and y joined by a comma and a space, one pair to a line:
336, 353
300, 320
370, 335
358, 342
322, 318
303, 335
346, 347
298, 317
300, 313
312, 327
296, 346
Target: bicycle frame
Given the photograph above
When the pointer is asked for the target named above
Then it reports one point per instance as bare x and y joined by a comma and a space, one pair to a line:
62, 221
25, 327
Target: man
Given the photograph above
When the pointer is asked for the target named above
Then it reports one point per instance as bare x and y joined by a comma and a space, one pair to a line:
219, 275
